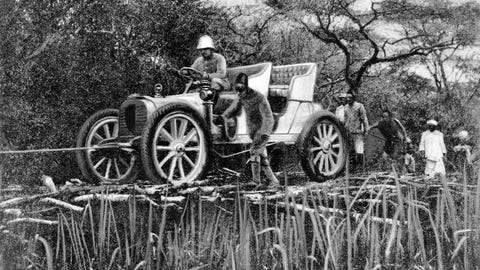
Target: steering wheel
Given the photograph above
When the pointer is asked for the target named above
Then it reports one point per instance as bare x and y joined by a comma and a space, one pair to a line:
194, 78
190, 74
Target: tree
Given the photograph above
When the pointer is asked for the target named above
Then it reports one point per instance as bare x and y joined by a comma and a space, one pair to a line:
63, 60
382, 33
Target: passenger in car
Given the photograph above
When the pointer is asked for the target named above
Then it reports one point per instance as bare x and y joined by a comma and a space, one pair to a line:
260, 123
213, 65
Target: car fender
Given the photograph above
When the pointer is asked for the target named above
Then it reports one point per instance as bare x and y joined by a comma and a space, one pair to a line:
191, 100
323, 114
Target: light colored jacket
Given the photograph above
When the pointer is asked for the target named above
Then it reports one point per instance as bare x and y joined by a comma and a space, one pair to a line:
433, 145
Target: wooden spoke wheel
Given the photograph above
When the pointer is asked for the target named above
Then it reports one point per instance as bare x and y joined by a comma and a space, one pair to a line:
175, 145
322, 148
113, 165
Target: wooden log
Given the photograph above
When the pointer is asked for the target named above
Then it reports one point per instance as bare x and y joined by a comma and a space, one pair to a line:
12, 202
113, 198
152, 190
173, 199
357, 216
12, 189
62, 204
32, 220
107, 197
210, 198
12, 212
189, 190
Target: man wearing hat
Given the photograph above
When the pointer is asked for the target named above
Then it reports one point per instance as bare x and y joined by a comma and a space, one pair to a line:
211, 64
340, 110
356, 123
432, 147
466, 155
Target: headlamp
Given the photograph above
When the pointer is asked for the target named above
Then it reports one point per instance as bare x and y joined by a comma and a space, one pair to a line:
158, 89
206, 95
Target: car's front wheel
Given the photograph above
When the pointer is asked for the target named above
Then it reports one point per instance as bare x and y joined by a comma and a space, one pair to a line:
322, 148
113, 165
175, 145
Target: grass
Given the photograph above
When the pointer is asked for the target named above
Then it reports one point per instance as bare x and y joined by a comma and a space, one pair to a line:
409, 227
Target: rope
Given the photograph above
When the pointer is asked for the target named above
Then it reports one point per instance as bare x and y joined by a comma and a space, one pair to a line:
46, 150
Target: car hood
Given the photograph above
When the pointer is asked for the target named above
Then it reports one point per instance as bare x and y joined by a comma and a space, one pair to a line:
191, 99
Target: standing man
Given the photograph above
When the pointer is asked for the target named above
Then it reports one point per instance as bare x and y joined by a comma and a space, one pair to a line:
340, 110
211, 64
356, 123
464, 158
408, 159
260, 125
432, 147
394, 134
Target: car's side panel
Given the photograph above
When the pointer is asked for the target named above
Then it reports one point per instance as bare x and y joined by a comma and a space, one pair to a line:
242, 123
304, 111
258, 76
259, 82
285, 121
302, 86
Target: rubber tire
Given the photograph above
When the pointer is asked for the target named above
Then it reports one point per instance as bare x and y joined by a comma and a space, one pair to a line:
148, 134
81, 156
303, 147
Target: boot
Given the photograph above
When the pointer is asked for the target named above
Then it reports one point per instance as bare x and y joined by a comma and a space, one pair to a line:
256, 172
272, 179
360, 162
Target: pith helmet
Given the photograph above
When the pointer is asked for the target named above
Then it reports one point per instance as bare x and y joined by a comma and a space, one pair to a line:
205, 42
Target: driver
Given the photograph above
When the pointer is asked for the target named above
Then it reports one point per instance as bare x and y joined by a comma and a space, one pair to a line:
211, 64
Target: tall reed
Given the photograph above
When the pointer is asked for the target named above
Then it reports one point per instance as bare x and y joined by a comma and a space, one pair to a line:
379, 224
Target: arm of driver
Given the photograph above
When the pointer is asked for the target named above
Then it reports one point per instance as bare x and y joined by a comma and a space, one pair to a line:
221, 68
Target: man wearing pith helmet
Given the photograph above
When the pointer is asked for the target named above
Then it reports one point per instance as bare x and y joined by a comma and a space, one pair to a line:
211, 64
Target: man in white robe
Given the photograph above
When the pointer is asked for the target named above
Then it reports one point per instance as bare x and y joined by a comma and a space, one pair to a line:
432, 147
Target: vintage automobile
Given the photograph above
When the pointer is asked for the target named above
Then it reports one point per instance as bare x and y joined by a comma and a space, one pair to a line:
175, 137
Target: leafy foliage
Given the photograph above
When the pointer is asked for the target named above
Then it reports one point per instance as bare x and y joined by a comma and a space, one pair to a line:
64, 60
385, 32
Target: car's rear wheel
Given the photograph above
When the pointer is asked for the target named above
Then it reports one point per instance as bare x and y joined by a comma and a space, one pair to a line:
175, 145
322, 148
113, 165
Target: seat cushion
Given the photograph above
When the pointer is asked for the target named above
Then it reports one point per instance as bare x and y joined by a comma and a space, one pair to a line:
278, 90
283, 74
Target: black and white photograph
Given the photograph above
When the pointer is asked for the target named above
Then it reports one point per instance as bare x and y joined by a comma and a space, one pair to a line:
239, 134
